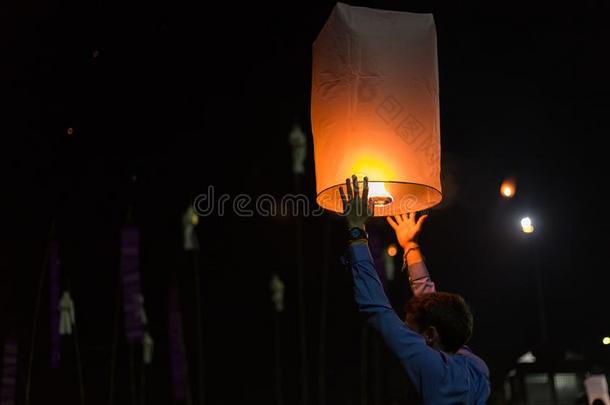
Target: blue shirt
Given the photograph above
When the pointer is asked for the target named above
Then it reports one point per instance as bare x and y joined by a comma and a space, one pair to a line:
439, 378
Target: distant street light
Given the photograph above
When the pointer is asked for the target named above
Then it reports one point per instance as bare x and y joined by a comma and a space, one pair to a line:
526, 225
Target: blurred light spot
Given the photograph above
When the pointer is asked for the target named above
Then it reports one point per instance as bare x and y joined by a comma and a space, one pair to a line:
508, 188
528, 229
392, 250
606, 340
527, 358
526, 225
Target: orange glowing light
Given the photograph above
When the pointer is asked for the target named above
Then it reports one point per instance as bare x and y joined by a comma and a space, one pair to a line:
392, 250
379, 195
377, 114
508, 188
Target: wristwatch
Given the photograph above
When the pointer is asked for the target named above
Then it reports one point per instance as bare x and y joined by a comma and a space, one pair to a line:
356, 233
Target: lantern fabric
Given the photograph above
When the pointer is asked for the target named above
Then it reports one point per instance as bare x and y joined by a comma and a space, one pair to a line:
374, 108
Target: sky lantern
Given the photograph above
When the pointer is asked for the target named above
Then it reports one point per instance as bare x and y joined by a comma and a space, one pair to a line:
508, 188
375, 109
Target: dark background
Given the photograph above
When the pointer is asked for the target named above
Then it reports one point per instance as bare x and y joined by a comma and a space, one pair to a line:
184, 96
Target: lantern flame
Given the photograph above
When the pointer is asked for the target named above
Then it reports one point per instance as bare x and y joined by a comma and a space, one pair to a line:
378, 195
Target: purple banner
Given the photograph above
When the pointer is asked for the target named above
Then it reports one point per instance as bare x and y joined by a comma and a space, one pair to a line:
9, 373
176, 346
130, 264
54, 302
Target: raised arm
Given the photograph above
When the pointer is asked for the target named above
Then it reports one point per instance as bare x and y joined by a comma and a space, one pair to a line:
424, 365
407, 231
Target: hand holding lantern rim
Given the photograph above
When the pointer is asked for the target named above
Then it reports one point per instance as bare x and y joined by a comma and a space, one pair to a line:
356, 208
406, 228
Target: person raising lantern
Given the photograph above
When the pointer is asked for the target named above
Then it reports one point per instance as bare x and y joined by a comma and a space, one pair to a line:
430, 342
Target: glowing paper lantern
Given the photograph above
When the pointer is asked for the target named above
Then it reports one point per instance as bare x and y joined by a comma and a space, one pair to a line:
374, 108
508, 188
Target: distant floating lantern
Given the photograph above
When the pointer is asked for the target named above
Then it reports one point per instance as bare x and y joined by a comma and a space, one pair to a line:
392, 250
508, 188
375, 110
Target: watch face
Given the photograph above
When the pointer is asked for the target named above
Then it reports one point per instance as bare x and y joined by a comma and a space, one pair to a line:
357, 233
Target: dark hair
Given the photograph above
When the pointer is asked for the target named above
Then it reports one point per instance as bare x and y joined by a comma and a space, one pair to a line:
447, 312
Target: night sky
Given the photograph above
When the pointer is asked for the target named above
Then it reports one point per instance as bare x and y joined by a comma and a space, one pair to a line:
168, 98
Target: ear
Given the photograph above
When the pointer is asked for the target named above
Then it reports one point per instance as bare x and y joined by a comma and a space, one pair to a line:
432, 337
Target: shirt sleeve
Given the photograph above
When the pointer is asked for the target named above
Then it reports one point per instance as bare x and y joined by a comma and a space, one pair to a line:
419, 278
424, 365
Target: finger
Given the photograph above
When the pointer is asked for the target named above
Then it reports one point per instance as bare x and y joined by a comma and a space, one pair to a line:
356, 187
343, 199
371, 209
392, 222
350, 193
421, 220
412, 217
398, 219
365, 190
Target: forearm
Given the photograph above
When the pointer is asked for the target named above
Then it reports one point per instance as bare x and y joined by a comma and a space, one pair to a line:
368, 289
423, 365
419, 278
374, 304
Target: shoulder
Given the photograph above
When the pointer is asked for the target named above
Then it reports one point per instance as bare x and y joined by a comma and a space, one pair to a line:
475, 361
